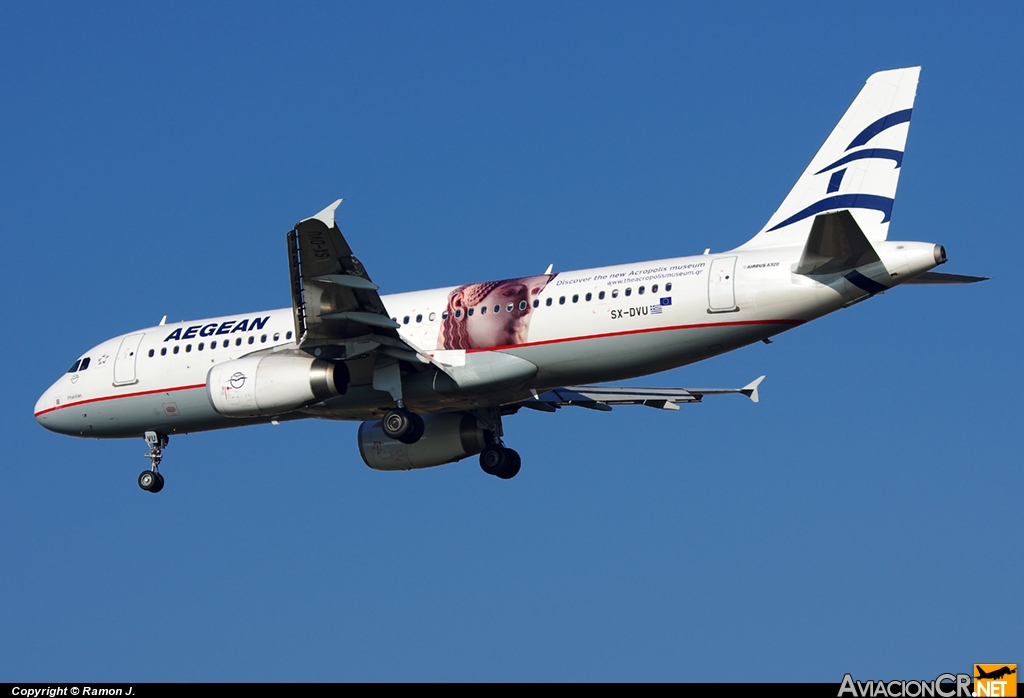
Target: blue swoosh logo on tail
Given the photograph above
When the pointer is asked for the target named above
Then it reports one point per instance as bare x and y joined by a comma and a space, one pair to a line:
869, 201
886, 122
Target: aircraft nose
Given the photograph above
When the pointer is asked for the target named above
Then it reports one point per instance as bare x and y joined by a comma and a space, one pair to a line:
44, 410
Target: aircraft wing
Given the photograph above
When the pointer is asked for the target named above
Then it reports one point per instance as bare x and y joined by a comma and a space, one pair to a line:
333, 299
603, 398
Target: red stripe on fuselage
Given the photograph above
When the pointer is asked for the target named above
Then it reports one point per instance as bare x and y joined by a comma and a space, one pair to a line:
121, 397
640, 331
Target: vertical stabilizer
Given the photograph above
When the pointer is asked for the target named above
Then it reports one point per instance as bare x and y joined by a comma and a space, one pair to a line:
857, 168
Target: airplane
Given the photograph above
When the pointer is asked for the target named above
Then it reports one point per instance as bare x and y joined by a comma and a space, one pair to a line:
431, 374
995, 674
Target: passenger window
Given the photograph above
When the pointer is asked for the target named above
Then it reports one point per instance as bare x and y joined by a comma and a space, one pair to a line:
483, 310
213, 345
641, 291
419, 318
175, 348
588, 296
575, 298
432, 317
444, 315
654, 288
497, 308
470, 311
668, 287
277, 336
458, 313
163, 351
188, 348
200, 347
74, 366
263, 339
510, 307
522, 305
615, 293
85, 364
561, 300
151, 352
536, 302
600, 296
251, 340
548, 301
629, 291
405, 320
238, 343
288, 334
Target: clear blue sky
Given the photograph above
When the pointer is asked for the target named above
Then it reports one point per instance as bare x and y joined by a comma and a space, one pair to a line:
859, 519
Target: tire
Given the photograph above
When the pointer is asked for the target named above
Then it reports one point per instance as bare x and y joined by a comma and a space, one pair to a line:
493, 459
512, 465
397, 423
416, 433
159, 485
148, 480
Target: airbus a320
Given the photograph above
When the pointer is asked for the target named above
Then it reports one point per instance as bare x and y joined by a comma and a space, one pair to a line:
432, 374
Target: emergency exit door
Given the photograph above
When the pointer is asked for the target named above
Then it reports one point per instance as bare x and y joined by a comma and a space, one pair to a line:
722, 285
124, 364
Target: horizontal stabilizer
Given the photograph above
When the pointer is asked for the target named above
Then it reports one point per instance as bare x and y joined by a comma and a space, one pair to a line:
836, 244
934, 277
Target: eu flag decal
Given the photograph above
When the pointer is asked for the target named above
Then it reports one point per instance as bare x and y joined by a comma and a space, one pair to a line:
666, 301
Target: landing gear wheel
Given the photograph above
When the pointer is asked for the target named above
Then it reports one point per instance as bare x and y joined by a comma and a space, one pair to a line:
402, 425
493, 458
150, 481
500, 461
512, 465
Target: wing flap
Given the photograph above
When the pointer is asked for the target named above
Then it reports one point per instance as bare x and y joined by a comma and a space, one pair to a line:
604, 398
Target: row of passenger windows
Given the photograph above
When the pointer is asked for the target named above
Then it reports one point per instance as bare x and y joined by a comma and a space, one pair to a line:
536, 303
224, 343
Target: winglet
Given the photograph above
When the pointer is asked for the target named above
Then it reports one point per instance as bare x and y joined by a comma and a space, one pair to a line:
750, 389
326, 216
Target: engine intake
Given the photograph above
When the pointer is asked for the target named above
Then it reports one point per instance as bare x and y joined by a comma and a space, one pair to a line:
255, 386
446, 439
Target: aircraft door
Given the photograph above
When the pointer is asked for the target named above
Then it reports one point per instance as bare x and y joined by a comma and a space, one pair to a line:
124, 364
722, 285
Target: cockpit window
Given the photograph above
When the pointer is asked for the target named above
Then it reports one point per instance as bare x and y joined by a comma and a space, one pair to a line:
74, 366
85, 364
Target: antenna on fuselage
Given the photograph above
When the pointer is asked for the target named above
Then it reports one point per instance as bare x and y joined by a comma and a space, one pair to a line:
550, 267
163, 320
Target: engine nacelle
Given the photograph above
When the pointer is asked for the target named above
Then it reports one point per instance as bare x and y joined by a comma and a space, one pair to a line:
446, 439
256, 386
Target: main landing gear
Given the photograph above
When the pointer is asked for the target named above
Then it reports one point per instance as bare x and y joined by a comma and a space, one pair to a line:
402, 425
497, 459
500, 461
151, 480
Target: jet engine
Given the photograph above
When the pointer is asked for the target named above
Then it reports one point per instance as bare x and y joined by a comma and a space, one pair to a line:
256, 386
446, 439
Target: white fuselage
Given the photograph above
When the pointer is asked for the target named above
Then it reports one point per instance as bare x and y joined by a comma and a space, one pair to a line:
584, 326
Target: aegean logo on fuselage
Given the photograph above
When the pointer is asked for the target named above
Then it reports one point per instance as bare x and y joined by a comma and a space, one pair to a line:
228, 327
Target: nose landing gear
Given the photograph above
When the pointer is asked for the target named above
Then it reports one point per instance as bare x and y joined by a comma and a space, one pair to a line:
151, 480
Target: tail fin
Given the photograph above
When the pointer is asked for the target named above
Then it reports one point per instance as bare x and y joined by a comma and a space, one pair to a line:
857, 168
